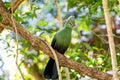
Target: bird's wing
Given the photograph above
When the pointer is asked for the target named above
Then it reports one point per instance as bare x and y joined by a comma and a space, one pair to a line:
53, 41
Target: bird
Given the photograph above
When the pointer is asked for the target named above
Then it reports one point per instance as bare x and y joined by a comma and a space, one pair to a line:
60, 43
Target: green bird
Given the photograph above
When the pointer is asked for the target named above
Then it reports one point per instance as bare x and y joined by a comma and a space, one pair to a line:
60, 43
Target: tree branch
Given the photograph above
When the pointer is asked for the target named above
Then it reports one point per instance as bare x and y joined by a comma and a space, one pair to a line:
59, 13
14, 7
110, 39
40, 44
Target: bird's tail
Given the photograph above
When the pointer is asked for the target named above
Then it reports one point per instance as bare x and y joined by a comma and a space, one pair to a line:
50, 71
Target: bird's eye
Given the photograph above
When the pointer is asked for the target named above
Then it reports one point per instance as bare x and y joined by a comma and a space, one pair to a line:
71, 24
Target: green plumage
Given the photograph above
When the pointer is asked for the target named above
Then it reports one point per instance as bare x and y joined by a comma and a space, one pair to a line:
60, 42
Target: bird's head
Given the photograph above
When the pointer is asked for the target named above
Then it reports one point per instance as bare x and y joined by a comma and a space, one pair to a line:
70, 22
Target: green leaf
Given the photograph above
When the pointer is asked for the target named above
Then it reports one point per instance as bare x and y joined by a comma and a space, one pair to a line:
42, 23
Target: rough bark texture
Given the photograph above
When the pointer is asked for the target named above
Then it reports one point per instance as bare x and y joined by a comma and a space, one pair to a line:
4, 9
41, 44
16, 5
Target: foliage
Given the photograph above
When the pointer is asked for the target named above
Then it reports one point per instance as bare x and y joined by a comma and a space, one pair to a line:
89, 44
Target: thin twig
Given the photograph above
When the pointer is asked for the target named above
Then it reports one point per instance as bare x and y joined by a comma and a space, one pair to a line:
61, 25
110, 39
59, 13
14, 25
67, 73
105, 41
56, 59
17, 49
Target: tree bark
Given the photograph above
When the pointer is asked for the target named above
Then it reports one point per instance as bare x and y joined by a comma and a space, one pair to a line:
110, 39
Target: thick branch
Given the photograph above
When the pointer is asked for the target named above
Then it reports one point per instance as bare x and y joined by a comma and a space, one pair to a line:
16, 5
4, 9
41, 45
